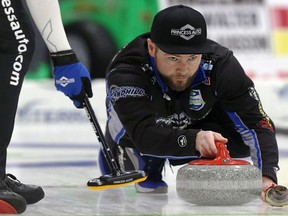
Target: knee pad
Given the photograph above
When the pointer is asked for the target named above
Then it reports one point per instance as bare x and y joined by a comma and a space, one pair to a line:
130, 159
126, 158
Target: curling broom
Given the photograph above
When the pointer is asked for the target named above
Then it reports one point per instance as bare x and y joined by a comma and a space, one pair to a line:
117, 177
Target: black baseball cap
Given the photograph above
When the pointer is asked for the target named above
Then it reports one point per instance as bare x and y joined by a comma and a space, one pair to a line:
180, 29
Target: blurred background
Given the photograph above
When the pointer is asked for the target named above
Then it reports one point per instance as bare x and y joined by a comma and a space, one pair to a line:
256, 31
54, 145
98, 28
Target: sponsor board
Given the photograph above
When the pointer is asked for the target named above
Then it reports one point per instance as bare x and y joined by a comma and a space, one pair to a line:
243, 26
255, 30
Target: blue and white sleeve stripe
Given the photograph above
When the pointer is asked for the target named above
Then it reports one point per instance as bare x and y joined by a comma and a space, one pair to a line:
249, 137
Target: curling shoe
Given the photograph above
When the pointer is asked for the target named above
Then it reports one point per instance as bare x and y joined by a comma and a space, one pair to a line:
10, 202
31, 193
150, 186
153, 183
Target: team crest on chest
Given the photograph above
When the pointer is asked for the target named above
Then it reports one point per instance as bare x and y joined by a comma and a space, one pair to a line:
196, 101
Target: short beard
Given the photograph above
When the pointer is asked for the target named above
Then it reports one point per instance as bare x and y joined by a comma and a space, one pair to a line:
178, 88
170, 84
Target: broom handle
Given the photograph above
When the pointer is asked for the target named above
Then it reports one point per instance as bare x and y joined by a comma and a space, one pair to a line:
99, 134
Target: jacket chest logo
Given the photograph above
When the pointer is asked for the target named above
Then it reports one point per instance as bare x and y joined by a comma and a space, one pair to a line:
196, 101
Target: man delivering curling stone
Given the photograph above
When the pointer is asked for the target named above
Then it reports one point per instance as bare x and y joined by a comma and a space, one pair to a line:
172, 93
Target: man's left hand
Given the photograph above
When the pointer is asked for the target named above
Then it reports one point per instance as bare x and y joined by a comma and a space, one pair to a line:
266, 184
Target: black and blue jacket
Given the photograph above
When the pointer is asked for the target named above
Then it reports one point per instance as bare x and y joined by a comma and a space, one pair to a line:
145, 114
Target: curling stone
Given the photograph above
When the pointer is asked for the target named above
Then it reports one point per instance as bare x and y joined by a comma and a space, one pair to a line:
220, 181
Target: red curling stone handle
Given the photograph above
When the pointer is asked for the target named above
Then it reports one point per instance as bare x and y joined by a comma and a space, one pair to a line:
222, 158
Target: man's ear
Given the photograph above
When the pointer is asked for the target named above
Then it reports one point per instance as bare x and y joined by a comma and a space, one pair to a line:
151, 47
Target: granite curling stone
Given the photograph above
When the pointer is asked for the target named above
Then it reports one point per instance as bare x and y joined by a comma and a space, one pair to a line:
219, 182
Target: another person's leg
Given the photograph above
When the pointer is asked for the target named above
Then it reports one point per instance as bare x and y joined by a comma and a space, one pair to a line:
16, 49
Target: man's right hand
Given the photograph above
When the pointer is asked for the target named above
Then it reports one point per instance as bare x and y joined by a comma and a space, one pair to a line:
205, 143
71, 76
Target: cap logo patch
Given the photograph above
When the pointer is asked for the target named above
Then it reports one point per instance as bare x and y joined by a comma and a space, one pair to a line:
186, 32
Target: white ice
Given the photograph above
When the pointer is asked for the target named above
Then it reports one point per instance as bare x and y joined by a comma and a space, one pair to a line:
63, 167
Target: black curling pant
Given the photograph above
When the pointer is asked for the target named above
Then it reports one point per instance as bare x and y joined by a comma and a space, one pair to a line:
16, 49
